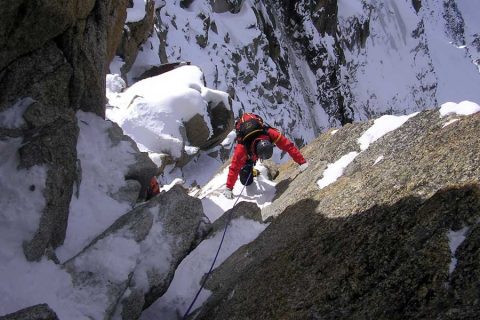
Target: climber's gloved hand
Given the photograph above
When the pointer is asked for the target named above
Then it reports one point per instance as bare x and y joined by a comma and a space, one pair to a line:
302, 167
228, 193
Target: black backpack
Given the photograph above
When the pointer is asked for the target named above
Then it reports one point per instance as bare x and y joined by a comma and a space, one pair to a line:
248, 127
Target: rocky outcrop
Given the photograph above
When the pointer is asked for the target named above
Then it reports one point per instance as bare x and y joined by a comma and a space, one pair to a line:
248, 210
232, 6
115, 28
53, 56
38, 312
51, 141
148, 243
395, 237
143, 168
68, 48
135, 33
321, 64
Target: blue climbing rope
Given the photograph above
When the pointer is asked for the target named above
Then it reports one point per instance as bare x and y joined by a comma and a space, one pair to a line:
227, 222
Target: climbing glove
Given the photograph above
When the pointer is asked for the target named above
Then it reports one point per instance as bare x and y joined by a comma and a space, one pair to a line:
228, 193
302, 167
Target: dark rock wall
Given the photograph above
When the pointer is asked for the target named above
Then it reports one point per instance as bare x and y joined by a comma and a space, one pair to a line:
69, 33
53, 58
389, 262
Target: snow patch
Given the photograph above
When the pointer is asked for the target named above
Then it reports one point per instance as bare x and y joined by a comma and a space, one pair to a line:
349, 8
335, 170
463, 108
21, 199
455, 239
137, 12
333, 132
11, 118
450, 122
380, 158
103, 169
189, 273
382, 126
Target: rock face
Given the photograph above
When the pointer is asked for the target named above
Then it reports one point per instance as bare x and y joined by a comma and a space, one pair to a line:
317, 64
396, 237
53, 58
71, 41
54, 145
134, 34
38, 312
148, 243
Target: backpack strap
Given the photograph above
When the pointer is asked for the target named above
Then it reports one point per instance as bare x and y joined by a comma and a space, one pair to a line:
251, 134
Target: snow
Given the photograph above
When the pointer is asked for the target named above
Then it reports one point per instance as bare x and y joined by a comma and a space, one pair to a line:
386, 72
18, 218
237, 36
237, 25
450, 122
380, 158
12, 118
335, 170
116, 65
113, 257
469, 11
137, 12
463, 108
103, 167
191, 270
152, 111
455, 239
241, 231
348, 8
148, 56
103, 170
382, 126
103, 164
457, 76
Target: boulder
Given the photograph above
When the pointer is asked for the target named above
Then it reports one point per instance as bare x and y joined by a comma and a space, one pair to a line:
38, 312
222, 121
147, 244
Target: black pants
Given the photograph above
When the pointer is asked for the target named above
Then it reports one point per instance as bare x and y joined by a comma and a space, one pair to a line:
246, 173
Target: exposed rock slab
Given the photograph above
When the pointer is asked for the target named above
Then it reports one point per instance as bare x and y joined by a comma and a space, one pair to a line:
377, 243
148, 243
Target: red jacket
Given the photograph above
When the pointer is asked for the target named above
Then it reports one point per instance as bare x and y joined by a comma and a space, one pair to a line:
240, 154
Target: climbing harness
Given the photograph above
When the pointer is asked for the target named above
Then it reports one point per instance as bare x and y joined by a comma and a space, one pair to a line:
227, 222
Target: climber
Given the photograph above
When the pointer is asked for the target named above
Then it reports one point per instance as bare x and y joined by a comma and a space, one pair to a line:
153, 188
255, 140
